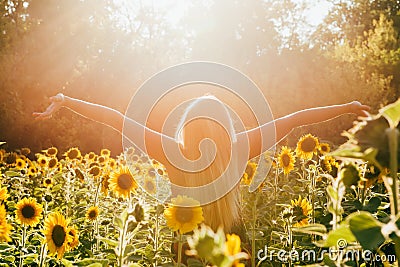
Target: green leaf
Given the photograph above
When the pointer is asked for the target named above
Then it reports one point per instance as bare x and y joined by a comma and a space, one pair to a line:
366, 229
194, 263
373, 204
329, 262
318, 229
56, 188
391, 113
108, 241
339, 237
12, 173
118, 223
333, 195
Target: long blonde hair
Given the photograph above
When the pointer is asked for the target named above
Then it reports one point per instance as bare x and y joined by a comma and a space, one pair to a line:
190, 132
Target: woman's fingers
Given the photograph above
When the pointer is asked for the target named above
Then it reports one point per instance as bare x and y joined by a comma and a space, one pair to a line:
54, 106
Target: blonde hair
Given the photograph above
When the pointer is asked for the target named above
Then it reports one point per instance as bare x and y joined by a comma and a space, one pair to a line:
192, 129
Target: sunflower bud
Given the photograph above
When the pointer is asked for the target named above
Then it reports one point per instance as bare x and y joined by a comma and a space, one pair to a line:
350, 174
137, 212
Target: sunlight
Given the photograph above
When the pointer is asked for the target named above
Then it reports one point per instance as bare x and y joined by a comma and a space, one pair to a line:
317, 12
126, 12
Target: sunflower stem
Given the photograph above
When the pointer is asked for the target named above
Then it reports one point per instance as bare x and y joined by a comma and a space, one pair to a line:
253, 232
180, 245
156, 236
96, 197
121, 244
21, 262
43, 246
393, 134
42, 252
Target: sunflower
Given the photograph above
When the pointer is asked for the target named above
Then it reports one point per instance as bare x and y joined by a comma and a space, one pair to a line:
92, 213
55, 231
286, 160
149, 185
28, 212
3, 193
90, 156
52, 163
48, 182
51, 152
42, 160
102, 160
232, 248
105, 152
307, 146
79, 175
72, 153
20, 164
301, 209
10, 158
74, 237
105, 184
5, 228
95, 171
350, 174
112, 163
25, 151
183, 214
32, 171
122, 182
249, 172
324, 148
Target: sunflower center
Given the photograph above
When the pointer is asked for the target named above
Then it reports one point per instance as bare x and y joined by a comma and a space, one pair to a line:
58, 235
28, 212
298, 211
52, 163
92, 214
308, 145
125, 181
47, 181
184, 215
285, 160
73, 154
51, 151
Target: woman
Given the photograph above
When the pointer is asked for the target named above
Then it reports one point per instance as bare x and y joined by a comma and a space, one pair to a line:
224, 211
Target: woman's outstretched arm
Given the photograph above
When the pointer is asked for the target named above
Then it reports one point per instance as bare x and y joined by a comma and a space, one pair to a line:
286, 124
143, 137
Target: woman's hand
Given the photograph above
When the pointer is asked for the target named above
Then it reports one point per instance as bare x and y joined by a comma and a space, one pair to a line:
359, 109
56, 103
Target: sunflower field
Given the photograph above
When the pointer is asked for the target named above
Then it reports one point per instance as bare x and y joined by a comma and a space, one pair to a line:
321, 204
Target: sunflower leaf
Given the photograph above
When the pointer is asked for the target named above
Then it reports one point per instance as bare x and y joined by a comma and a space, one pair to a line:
112, 243
12, 173
56, 188
318, 229
366, 229
339, 237
118, 223
391, 113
